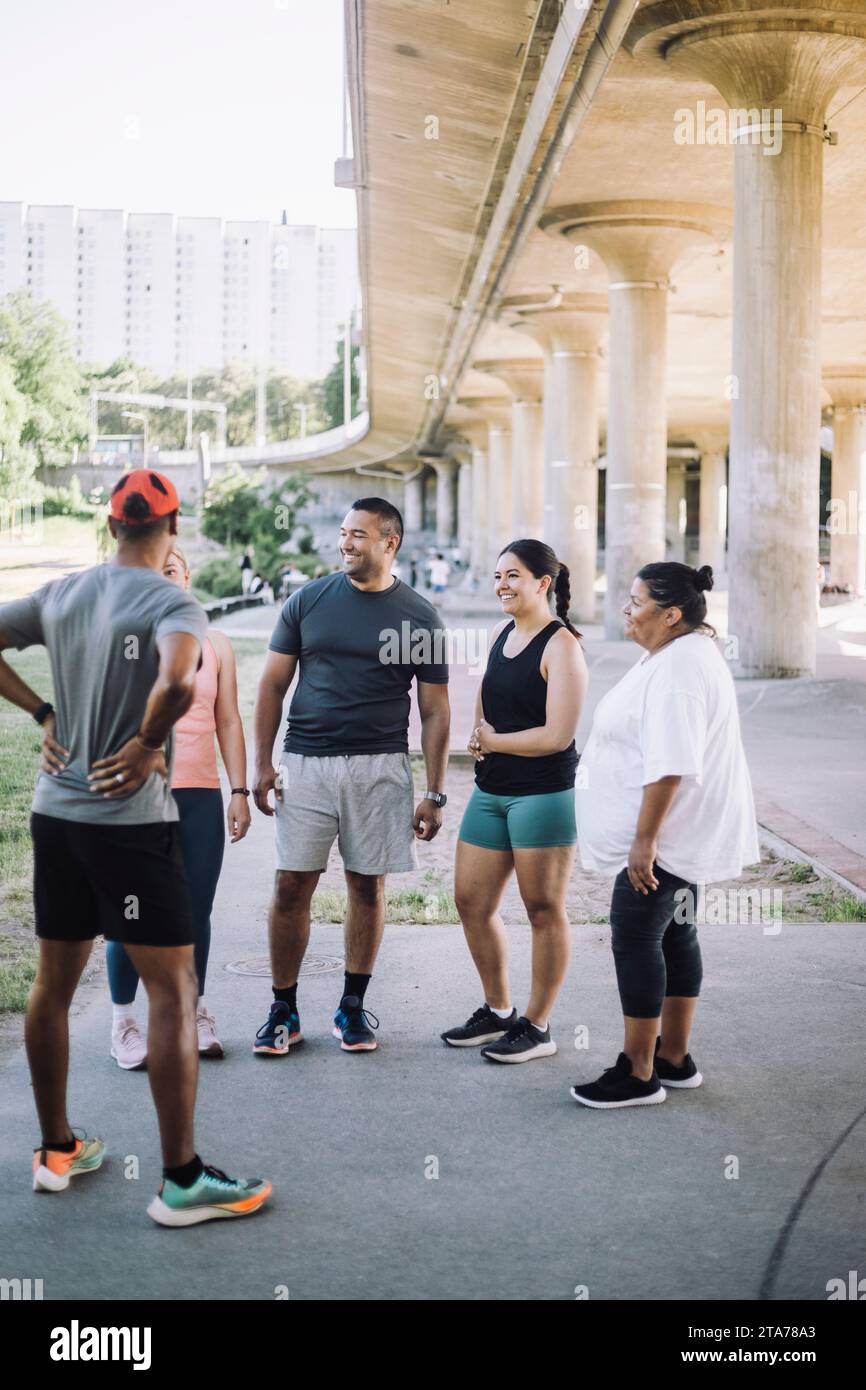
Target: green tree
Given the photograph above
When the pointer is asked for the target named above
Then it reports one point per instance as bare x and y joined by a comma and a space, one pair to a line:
239, 510
331, 388
17, 465
234, 385
37, 349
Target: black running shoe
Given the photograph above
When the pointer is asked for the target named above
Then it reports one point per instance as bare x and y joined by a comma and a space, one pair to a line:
281, 1031
353, 1024
483, 1027
521, 1043
616, 1087
683, 1078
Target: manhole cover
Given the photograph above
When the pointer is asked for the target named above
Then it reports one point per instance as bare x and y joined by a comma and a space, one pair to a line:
261, 965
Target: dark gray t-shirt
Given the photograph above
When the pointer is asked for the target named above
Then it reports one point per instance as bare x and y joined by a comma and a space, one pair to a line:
101, 629
358, 655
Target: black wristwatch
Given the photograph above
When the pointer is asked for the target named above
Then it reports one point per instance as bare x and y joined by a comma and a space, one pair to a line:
240, 791
43, 712
438, 798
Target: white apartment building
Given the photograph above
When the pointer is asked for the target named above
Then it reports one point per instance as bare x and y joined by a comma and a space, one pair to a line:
198, 309
100, 283
184, 294
336, 282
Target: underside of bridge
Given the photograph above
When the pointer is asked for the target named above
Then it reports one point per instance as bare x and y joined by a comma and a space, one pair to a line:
600, 232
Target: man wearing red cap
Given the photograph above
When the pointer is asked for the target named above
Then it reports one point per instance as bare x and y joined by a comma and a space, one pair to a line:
124, 645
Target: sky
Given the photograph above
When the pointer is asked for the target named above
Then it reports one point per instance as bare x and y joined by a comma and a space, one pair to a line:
204, 108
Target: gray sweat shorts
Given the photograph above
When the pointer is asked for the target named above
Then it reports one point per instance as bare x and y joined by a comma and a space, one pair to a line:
365, 801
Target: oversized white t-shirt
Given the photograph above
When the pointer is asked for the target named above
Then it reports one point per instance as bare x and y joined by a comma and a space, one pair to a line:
673, 713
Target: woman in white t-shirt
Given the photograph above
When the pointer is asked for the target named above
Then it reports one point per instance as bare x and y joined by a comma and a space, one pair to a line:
664, 801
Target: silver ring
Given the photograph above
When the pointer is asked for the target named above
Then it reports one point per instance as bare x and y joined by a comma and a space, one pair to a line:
119, 777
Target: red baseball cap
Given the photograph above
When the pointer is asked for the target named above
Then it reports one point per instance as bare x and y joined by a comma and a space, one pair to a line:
158, 492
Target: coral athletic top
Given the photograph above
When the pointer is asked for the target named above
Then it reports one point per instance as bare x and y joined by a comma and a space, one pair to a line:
195, 763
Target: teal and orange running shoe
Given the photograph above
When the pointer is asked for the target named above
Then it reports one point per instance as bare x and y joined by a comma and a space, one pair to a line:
353, 1025
52, 1168
212, 1196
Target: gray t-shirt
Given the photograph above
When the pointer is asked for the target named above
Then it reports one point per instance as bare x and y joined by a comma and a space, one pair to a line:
101, 629
359, 653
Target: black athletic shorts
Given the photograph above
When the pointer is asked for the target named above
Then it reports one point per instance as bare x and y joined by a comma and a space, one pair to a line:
126, 882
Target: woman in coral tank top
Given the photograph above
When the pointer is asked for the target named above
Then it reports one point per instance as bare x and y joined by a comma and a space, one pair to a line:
195, 784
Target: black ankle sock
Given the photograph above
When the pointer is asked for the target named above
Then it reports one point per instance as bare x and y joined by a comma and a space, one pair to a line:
356, 984
66, 1147
287, 996
186, 1174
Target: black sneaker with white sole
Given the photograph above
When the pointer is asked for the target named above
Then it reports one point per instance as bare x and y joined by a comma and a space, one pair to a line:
616, 1088
685, 1077
521, 1043
483, 1027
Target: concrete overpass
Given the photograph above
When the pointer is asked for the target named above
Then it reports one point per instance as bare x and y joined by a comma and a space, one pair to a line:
594, 231
595, 228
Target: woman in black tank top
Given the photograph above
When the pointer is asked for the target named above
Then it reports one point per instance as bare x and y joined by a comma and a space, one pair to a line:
520, 816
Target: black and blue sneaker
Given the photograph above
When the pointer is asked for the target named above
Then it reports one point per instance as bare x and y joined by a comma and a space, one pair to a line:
282, 1031
352, 1024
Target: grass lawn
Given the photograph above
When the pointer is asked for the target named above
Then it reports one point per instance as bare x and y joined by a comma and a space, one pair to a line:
20, 739
59, 545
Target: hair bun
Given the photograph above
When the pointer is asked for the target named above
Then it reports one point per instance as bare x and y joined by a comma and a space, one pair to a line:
704, 578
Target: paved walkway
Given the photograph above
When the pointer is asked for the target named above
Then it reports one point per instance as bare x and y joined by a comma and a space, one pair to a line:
534, 1196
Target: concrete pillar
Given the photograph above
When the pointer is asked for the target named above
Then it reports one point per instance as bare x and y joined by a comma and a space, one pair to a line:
846, 519
473, 426
479, 544
413, 504
713, 529
640, 242
675, 509
569, 335
781, 73
496, 412
446, 502
464, 508
524, 378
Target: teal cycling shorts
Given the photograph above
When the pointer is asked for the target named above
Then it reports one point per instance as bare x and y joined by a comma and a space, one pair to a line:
519, 822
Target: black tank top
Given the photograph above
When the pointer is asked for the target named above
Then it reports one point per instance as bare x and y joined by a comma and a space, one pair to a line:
514, 697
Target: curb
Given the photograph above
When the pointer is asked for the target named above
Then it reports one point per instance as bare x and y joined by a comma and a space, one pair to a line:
786, 850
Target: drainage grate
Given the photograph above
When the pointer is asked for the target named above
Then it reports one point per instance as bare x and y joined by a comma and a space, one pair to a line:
261, 965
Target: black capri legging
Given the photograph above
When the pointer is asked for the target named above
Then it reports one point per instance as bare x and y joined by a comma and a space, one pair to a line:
655, 943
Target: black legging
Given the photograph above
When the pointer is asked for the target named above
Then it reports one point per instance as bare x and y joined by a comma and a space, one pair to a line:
656, 953
202, 841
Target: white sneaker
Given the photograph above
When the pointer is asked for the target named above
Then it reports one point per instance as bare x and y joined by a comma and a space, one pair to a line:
128, 1047
209, 1044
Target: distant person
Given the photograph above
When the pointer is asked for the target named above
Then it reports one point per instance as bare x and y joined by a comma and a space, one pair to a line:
440, 571
256, 583
413, 573
213, 715
247, 569
345, 772
520, 816
124, 646
665, 804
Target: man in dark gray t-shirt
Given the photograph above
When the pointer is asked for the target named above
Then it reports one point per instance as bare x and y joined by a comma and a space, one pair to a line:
357, 639
355, 669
